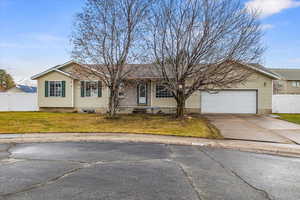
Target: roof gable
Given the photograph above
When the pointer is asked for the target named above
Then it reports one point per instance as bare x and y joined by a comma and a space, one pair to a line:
56, 69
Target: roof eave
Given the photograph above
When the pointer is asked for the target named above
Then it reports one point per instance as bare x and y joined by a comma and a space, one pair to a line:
55, 69
263, 72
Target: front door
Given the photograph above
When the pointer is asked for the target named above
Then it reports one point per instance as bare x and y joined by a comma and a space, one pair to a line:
142, 93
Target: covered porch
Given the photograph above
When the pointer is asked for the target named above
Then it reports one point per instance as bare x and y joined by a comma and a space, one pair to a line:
145, 96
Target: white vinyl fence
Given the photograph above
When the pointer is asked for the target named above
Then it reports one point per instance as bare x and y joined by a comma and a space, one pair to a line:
18, 102
286, 103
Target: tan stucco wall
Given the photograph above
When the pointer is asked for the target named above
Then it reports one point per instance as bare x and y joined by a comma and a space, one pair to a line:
261, 83
98, 103
265, 91
69, 68
81, 103
258, 81
160, 102
285, 87
192, 102
59, 102
130, 97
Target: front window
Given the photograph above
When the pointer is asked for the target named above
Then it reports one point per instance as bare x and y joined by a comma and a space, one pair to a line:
55, 89
91, 88
163, 92
296, 83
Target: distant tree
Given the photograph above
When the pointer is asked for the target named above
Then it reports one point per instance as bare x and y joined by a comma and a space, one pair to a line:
199, 44
108, 34
6, 80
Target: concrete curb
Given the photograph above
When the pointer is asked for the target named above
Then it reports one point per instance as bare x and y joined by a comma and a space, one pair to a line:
250, 146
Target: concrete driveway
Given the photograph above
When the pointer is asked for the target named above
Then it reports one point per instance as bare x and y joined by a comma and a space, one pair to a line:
256, 128
132, 171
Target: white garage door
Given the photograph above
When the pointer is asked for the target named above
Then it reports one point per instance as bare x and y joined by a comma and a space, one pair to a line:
229, 102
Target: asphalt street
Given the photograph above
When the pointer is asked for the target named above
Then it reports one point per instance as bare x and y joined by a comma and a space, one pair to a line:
143, 171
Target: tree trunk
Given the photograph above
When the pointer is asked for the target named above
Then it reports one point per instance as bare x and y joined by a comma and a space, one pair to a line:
112, 104
180, 109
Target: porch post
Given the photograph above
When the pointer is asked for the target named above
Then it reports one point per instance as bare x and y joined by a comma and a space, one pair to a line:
151, 94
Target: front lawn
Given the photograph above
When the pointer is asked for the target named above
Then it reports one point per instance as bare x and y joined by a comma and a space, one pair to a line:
295, 118
44, 122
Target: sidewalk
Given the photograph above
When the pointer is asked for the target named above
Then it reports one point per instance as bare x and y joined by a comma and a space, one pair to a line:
259, 147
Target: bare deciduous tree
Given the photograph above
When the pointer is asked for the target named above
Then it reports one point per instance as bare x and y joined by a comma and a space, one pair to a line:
199, 44
107, 34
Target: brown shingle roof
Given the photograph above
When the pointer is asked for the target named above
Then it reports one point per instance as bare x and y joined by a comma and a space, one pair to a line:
288, 74
259, 66
148, 71
137, 71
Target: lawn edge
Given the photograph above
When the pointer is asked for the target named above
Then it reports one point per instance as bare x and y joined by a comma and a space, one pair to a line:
120, 133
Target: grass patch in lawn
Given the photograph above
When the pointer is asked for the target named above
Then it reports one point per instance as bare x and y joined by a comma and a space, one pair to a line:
44, 122
295, 118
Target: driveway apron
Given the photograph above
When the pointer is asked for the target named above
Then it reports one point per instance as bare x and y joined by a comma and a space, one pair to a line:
256, 128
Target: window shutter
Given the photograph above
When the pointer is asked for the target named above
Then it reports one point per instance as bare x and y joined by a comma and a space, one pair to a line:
46, 88
82, 88
99, 89
63, 85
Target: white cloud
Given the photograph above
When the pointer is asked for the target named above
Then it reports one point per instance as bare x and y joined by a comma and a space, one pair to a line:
48, 38
9, 45
15, 45
294, 61
30, 53
269, 7
43, 38
266, 27
23, 67
35, 41
20, 68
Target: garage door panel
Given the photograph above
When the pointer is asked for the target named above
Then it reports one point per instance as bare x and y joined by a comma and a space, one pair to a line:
243, 102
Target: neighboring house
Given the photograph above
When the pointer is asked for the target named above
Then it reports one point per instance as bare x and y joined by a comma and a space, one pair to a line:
22, 89
289, 82
59, 90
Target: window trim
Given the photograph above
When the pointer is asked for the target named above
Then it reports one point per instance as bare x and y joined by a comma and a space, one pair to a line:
296, 85
49, 88
170, 95
96, 96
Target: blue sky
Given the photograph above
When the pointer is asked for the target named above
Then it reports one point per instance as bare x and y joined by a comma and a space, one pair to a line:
34, 34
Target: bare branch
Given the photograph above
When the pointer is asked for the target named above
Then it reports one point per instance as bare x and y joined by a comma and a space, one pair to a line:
199, 44
107, 35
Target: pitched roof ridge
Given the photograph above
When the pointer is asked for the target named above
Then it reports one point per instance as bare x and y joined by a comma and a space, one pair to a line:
255, 66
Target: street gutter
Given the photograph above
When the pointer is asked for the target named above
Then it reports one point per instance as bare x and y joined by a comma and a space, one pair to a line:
241, 145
